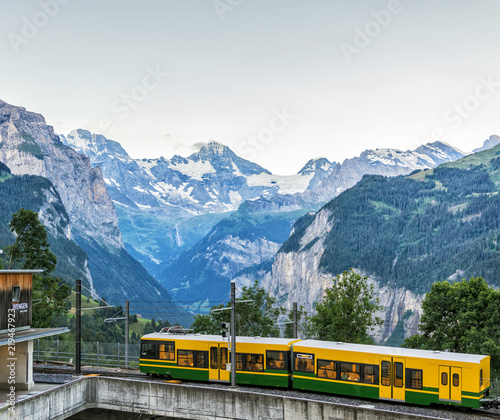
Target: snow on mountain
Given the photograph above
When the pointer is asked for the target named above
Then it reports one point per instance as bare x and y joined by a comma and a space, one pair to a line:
439, 152
394, 157
212, 180
282, 184
425, 156
317, 164
387, 162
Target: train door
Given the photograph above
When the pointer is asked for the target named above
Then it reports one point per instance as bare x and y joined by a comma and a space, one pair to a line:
450, 384
218, 362
392, 385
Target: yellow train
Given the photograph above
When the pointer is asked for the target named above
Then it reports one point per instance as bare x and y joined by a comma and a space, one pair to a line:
385, 373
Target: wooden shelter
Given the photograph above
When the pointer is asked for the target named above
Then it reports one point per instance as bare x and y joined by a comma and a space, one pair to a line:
16, 334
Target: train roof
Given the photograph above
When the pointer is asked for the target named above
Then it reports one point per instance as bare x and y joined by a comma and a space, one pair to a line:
318, 344
391, 351
215, 338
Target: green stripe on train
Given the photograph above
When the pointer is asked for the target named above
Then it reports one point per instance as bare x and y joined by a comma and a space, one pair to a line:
262, 379
345, 388
422, 398
425, 398
277, 371
475, 394
469, 402
178, 373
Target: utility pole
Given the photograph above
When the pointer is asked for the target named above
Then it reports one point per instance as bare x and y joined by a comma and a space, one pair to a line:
78, 361
233, 334
126, 332
295, 320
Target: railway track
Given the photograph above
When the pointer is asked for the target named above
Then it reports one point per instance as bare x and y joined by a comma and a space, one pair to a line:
71, 371
441, 412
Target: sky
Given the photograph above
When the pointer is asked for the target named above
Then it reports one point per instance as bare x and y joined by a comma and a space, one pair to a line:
279, 82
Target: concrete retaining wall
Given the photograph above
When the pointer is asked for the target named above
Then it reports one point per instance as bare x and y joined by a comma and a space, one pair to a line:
177, 401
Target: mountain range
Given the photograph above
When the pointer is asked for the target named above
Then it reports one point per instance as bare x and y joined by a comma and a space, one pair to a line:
196, 222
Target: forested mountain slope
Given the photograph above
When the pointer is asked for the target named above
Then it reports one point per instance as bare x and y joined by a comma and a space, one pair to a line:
405, 232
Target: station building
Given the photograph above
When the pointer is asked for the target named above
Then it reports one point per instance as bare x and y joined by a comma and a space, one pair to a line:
16, 334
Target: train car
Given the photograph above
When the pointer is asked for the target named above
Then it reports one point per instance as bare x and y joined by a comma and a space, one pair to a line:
387, 373
259, 361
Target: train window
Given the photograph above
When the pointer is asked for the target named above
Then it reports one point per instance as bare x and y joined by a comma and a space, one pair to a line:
276, 360
254, 362
398, 374
239, 361
191, 358
350, 372
185, 357
414, 378
369, 372
481, 377
444, 378
223, 358
148, 349
201, 359
327, 369
456, 379
304, 362
213, 358
167, 351
386, 373
16, 293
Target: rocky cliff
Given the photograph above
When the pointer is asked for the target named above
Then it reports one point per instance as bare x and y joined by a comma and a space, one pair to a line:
297, 277
29, 146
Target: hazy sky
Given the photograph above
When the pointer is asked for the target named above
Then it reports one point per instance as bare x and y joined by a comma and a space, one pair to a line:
277, 81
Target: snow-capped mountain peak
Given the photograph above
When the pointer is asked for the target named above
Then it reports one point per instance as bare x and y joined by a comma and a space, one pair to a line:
317, 164
95, 146
439, 152
425, 156
212, 148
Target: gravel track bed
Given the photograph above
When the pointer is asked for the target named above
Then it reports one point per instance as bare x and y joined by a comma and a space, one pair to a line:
441, 413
